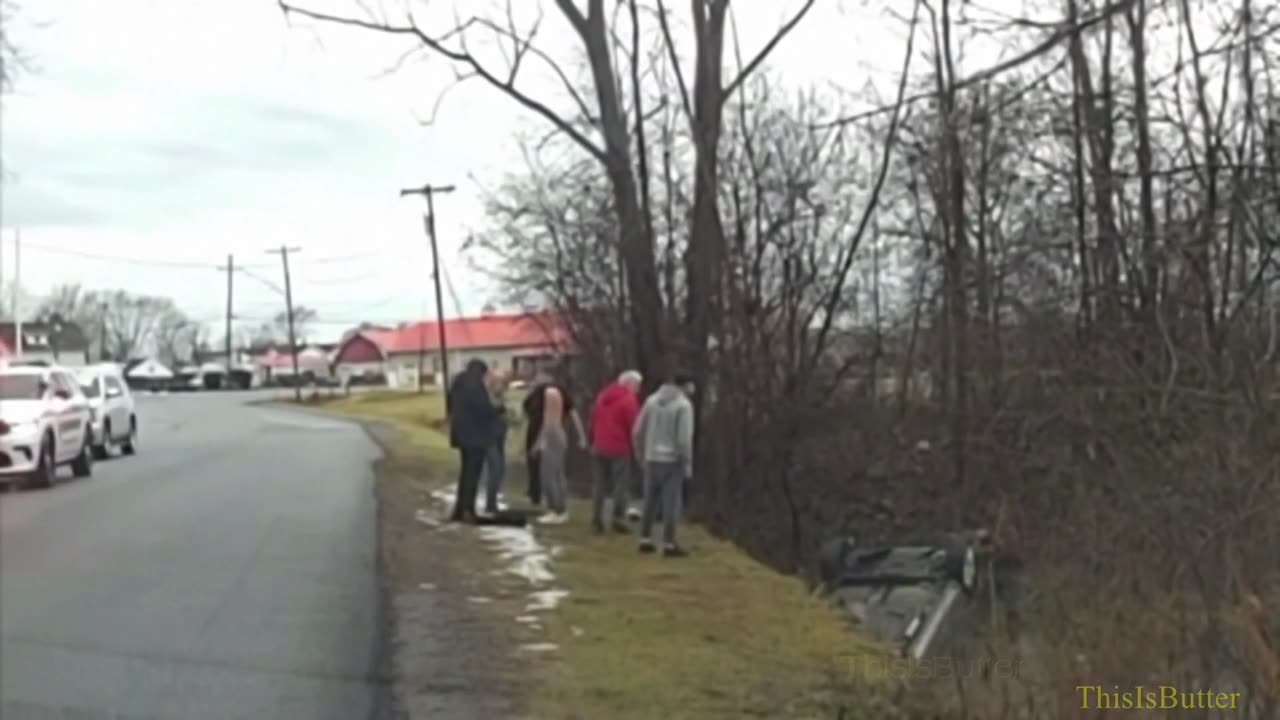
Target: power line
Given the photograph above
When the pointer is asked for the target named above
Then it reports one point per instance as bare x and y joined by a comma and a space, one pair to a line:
346, 280
269, 283
339, 258
121, 258
185, 264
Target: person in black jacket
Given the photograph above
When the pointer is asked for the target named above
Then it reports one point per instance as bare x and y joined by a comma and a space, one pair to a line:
473, 423
532, 408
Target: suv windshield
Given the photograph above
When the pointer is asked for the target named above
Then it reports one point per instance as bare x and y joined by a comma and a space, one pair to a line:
91, 387
20, 387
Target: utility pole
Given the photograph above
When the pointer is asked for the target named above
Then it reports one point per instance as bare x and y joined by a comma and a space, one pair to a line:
429, 192
288, 308
231, 269
17, 294
102, 333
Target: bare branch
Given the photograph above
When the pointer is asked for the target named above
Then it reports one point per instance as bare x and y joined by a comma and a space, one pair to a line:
768, 48
1063, 32
458, 56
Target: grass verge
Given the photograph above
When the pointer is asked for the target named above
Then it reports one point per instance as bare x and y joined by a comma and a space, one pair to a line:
710, 636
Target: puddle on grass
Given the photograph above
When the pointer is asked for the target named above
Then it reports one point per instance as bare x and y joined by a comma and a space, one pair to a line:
521, 554
540, 647
545, 600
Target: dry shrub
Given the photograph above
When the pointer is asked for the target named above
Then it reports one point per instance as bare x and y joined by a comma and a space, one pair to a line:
1143, 511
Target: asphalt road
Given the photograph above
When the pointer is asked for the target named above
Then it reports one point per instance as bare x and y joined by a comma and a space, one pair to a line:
226, 571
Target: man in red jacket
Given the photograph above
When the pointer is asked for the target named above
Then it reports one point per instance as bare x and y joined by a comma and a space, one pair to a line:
613, 415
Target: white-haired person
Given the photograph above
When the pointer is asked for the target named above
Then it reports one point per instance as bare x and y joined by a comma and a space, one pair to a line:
613, 418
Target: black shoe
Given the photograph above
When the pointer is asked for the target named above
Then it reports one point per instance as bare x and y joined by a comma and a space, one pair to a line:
597, 528
646, 547
621, 528
674, 551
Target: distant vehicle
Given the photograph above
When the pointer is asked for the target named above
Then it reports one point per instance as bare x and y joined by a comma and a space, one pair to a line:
114, 421
44, 423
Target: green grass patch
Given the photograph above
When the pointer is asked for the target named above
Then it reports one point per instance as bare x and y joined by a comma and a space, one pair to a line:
714, 635
420, 416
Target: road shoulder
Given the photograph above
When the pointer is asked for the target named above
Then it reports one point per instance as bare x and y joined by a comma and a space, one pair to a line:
451, 645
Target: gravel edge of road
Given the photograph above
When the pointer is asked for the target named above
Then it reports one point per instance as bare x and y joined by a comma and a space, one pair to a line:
408, 677
383, 666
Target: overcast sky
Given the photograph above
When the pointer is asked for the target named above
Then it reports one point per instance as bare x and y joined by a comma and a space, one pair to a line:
158, 136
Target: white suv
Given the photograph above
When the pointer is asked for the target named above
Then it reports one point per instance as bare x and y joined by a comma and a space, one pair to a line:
44, 423
113, 421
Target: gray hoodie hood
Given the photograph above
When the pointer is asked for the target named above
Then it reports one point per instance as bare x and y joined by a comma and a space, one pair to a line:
667, 394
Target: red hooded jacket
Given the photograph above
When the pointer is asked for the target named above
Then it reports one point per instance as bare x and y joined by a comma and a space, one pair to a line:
613, 415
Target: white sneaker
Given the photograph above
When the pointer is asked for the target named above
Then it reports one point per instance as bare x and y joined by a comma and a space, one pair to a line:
552, 518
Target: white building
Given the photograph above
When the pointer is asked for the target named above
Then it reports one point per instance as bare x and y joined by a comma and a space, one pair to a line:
405, 356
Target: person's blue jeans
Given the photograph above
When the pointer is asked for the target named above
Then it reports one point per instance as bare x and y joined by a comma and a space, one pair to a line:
495, 471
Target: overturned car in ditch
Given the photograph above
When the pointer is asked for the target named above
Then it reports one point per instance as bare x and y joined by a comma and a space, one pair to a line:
917, 596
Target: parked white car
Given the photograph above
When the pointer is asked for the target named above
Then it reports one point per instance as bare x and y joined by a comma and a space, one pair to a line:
44, 423
113, 422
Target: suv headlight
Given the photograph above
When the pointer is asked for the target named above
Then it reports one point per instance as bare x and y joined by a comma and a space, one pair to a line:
21, 426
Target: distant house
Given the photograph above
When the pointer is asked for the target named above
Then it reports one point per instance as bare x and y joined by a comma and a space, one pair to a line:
520, 343
61, 343
276, 368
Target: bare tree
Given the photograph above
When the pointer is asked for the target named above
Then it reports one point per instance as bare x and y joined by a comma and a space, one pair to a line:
276, 332
86, 308
177, 338
613, 149
131, 323
13, 60
703, 104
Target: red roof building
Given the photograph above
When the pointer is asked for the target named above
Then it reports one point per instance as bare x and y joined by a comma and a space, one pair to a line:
519, 343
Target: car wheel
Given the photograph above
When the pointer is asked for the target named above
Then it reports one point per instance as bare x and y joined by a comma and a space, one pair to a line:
962, 565
130, 445
46, 473
82, 466
102, 449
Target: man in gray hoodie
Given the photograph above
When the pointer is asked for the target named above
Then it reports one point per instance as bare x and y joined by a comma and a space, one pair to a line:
663, 442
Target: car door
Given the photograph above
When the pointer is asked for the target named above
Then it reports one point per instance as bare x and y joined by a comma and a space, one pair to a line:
57, 402
71, 409
117, 403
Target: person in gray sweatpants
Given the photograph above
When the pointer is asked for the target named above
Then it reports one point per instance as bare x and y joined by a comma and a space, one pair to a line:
495, 458
663, 439
552, 446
